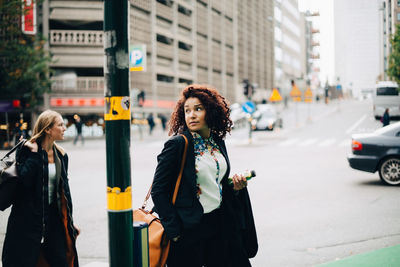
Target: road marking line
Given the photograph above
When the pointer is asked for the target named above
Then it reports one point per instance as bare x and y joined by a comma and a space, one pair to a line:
308, 142
355, 125
327, 142
346, 142
288, 142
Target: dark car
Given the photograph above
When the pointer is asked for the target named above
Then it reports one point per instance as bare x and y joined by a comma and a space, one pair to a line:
378, 151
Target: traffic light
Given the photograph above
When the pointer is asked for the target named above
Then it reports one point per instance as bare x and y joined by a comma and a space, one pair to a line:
16, 103
246, 87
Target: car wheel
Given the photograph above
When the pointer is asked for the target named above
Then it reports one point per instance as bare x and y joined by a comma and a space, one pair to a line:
389, 171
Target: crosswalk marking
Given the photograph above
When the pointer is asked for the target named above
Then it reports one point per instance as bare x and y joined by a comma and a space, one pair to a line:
315, 142
346, 142
295, 142
327, 142
308, 142
288, 142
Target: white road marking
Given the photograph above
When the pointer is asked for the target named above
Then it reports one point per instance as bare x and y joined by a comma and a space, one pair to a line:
355, 125
327, 142
288, 142
308, 142
346, 142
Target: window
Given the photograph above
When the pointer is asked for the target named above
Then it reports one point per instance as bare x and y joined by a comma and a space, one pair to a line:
398, 16
387, 91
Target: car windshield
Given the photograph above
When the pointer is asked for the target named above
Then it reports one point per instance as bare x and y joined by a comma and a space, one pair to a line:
387, 91
391, 129
268, 113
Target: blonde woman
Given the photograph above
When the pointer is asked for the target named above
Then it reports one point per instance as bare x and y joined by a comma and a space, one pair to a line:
40, 230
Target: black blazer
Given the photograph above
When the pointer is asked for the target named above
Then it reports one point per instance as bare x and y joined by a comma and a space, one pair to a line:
187, 211
29, 213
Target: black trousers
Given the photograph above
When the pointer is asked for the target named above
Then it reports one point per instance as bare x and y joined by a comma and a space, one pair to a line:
201, 246
54, 246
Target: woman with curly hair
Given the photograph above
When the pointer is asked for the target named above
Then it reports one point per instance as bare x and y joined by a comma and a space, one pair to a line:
205, 225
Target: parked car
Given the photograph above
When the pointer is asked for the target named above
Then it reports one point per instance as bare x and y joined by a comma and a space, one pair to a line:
266, 118
238, 116
378, 151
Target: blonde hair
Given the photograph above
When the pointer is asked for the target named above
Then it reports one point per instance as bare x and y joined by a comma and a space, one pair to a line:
45, 121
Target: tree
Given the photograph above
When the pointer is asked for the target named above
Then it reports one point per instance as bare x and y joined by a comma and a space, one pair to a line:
24, 64
394, 58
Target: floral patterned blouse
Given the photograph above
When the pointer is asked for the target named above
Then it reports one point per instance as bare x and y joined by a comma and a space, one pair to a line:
210, 169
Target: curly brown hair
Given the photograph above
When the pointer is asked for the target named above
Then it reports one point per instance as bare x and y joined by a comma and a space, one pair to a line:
217, 110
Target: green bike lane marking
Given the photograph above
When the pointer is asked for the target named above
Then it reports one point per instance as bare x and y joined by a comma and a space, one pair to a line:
385, 257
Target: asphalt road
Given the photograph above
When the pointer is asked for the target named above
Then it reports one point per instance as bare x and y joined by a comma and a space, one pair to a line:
310, 207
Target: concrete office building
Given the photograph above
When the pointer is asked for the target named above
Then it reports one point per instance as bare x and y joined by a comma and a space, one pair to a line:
218, 42
256, 46
389, 18
290, 48
357, 44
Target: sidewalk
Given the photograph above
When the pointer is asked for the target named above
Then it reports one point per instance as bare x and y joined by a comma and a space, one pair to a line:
385, 257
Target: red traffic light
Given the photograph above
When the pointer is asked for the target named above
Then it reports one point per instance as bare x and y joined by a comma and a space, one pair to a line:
16, 103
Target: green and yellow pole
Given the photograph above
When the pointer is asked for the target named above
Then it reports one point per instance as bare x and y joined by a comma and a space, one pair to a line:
117, 118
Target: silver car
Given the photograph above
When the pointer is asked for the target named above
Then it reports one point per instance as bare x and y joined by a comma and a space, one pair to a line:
266, 118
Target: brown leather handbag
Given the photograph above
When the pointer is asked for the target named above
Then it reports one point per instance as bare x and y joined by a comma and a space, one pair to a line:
8, 178
158, 243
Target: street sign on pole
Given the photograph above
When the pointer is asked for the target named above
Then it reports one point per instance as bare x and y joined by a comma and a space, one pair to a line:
275, 96
308, 95
295, 93
117, 119
249, 107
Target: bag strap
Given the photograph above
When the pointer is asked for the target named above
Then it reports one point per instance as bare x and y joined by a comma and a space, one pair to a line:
178, 181
14, 148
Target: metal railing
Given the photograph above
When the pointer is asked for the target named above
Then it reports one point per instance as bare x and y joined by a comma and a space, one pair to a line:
80, 84
72, 37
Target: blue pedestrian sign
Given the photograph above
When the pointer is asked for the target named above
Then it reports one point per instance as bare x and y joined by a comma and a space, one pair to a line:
249, 107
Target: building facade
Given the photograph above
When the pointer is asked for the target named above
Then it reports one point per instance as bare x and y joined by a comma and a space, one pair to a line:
389, 18
290, 48
256, 46
217, 42
357, 44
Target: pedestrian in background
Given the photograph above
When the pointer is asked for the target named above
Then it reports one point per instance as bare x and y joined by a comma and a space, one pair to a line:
150, 121
78, 126
386, 118
40, 229
17, 132
163, 121
209, 215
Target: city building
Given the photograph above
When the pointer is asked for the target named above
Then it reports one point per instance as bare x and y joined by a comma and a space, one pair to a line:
187, 41
290, 48
357, 45
389, 18
255, 33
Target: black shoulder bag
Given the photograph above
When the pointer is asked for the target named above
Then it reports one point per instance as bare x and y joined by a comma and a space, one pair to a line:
8, 178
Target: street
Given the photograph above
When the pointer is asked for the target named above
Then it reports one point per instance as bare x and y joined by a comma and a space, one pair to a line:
310, 207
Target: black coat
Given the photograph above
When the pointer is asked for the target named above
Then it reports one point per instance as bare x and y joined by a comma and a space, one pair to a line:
239, 229
29, 214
